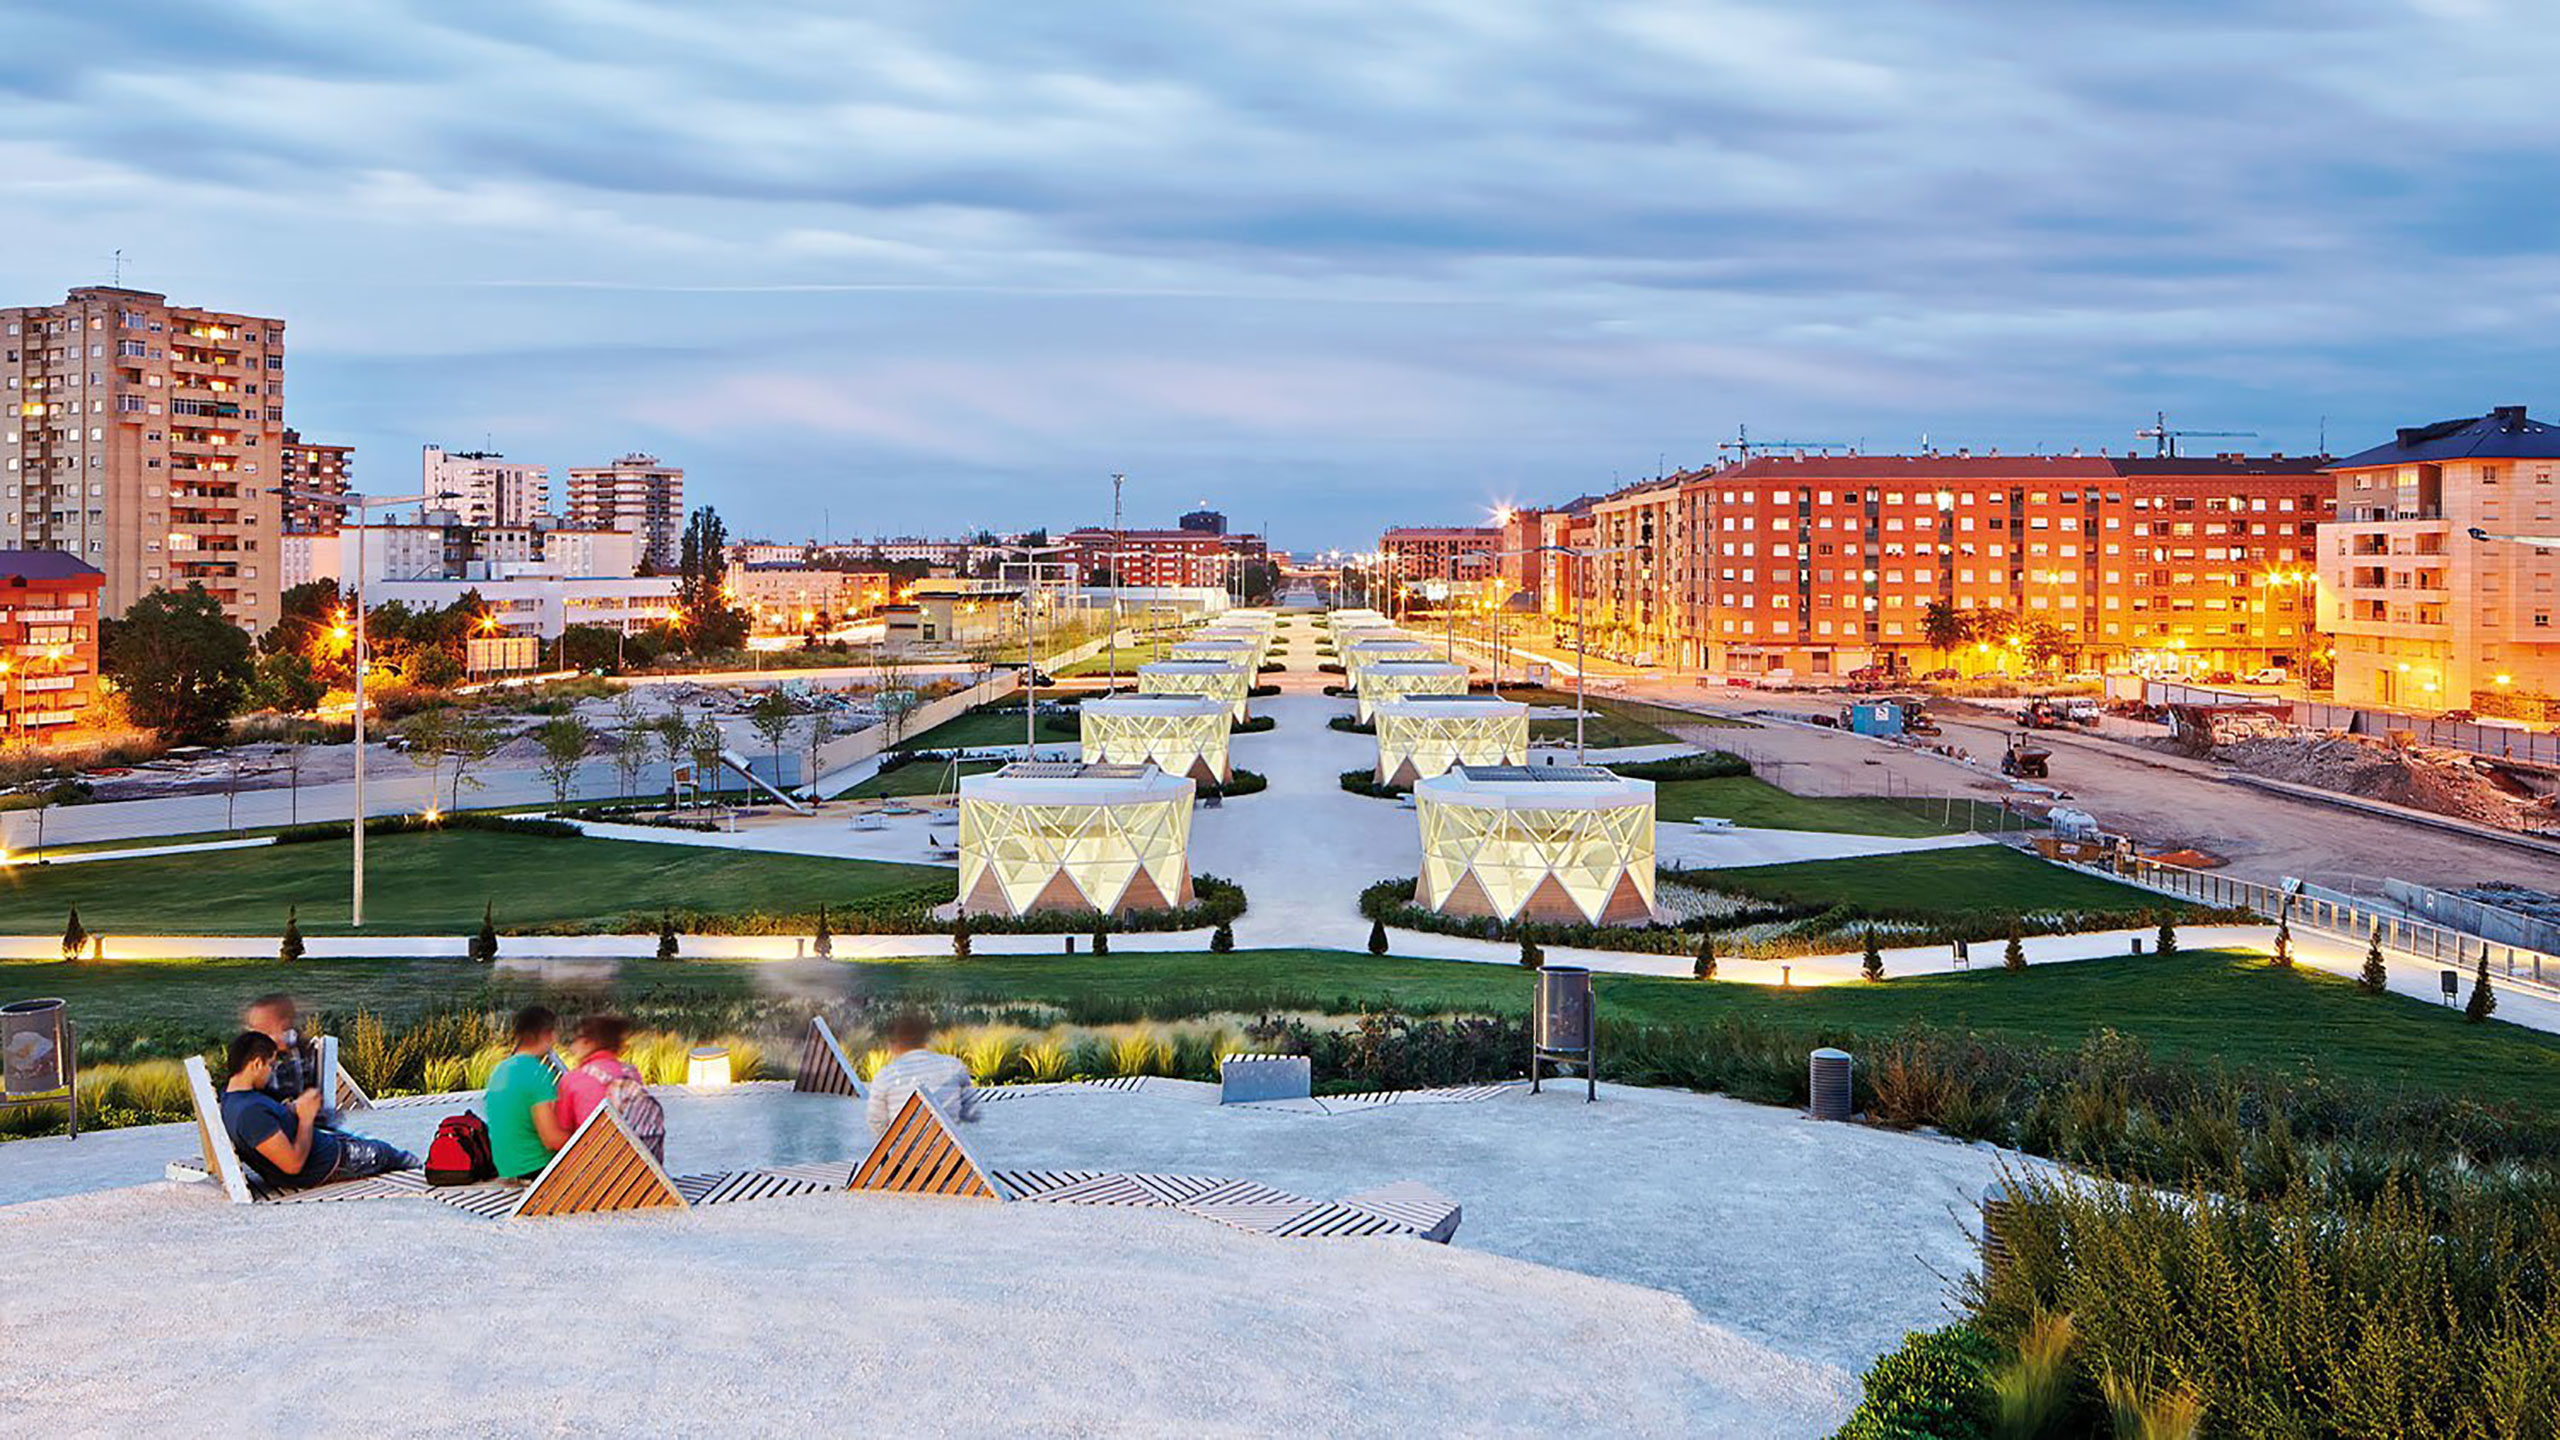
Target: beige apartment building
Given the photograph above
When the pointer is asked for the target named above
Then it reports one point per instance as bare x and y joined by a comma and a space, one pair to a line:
2428, 602
634, 493
143, 438
483, 487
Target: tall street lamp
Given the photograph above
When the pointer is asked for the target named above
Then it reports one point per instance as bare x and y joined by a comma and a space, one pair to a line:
1581, 635
1119, 558
362, 505
1030, 654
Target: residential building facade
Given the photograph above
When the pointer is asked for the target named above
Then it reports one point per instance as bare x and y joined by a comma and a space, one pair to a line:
545, 605
635, 493
1158, 557
317, 469
48, 644
791, 598
2423, 612
144, 438
483, 487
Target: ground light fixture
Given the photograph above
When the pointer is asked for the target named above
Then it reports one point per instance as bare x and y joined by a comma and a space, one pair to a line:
707, 1067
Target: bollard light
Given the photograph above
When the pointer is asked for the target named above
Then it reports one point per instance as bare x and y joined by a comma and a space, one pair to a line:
707, 1068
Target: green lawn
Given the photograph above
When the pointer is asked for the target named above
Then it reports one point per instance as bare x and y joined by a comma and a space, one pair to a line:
922, 778
433, 883
2218, 1006
1932, 882
1608, 723
1749, 800
977, 727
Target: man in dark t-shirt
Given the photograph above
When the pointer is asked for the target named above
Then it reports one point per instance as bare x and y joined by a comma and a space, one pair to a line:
284, 1143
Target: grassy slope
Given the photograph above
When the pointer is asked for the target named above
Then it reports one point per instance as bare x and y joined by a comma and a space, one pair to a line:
2212, 1005
1748, 800
430, 884
922, 778
1951, 881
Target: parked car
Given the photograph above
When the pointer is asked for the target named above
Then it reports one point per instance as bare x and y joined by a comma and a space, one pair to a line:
1949, 673
2221, 677
2270, 675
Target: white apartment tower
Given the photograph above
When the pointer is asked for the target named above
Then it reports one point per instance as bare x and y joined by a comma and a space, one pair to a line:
483, 487
634, 493
144, 438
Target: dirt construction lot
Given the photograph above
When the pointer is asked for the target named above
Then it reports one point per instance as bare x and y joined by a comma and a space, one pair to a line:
2265, 836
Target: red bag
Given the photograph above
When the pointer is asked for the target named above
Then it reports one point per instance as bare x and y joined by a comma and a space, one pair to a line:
460, 1153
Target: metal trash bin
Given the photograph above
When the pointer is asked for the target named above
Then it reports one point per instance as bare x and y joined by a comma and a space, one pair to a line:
39, 1062
1564, 1026
1830, 1077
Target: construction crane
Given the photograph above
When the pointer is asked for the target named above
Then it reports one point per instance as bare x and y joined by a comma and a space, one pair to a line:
1741, 445
2165, 440
2542, 542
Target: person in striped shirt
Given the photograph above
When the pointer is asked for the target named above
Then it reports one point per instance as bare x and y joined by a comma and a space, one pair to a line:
911, 1068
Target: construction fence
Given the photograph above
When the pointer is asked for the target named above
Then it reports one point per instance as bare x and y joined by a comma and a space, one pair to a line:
2497, 742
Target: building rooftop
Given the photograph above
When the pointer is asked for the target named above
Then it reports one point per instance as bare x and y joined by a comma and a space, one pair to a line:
19, 566
2505, 433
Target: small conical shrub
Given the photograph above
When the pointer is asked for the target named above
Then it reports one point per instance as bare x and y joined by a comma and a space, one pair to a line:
823, 944
1871, 961
484, 946
1531, 957
960, 935
1222, 941
1377, 936
75, 936
2168, 943
666, 936
1705, 969
2284, 942
2375, 977
2484, 1002
1101, 940
291, 947
2015, 954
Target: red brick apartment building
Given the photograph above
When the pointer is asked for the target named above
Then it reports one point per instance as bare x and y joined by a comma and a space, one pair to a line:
1821, 565
48, 644
1159, 557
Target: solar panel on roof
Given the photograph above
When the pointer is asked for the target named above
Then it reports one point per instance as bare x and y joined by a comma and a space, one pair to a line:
1584, 773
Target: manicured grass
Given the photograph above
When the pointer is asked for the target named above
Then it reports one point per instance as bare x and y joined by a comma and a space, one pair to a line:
2216, 1006
1749, 800
432, 883
978, 727
1933, 882
924, 777
1609, 723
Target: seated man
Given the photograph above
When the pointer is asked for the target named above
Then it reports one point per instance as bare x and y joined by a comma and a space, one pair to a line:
945, 1079
524, 1100
285, 1144
297, 1063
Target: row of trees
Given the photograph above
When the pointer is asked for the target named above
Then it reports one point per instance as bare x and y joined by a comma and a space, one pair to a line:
442, 737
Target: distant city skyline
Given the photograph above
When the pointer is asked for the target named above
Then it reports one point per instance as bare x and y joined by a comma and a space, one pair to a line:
948, 269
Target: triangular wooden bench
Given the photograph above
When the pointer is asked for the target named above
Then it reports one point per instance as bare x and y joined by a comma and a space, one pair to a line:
341, 1088
824, 1070
222, 1162
603, 1168
920, 1154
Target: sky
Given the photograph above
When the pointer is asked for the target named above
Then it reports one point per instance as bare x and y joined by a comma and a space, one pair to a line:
933, 267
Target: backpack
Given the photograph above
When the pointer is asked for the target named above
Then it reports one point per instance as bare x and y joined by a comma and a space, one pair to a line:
460, 1153
641, 1114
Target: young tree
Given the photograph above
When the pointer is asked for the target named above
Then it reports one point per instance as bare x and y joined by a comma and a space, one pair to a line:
1705, 969
75, 936
2284, 942
2483, 1002
564, 740
673, 731
1377, 937
287, 682
184, 669
291, 947
2014, 955
1944, 627
630, 752
1102, 936
476, 736
771, 716
1222, 941
484, 946
705, 747
666, 936
822, 728
1531, 957
960, 935
823, 944
709, 619
429, 737
2168, 942
1871, 962
2043, 642
2376, 976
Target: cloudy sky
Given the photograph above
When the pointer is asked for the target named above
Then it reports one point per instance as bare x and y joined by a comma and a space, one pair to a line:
1327, 265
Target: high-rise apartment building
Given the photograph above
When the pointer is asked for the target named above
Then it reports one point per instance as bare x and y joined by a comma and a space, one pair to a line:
634, 493
321, 469
144, 438
483, 487
2423, 614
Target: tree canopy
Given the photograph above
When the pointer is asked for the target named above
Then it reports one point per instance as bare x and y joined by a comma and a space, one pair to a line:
184, 668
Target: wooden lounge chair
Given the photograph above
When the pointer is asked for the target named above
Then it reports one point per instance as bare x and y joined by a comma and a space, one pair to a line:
341, 1088
223, 1165
919, 1154
602, 1168
824, 1070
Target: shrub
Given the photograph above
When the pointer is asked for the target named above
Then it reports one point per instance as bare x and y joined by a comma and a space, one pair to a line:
2376, 976
484, 946
1712, 765
1329, 667
1222, 941
1101, 939
1531, 957
1377, 937
291, 947
667, 936
2014, 955
1262, 692
1255, 726
2168, 942
2483, 1002
1240, 781
1936, 1385
960, 935
1365, 782
823, 944
1352, 724
2284, 942
414, 824
75, 936
1871, 961
1705, 969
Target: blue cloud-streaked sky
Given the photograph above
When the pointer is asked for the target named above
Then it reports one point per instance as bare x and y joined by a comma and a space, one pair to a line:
1329, 266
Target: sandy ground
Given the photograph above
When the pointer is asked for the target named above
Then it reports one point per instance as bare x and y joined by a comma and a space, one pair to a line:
1636, 1266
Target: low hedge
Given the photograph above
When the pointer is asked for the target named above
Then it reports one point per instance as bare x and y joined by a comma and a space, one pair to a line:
910, 912
654, 815
1262, 692
1936, 1385
413, 824
1353, 724
1239, 781
1254, 726
1273, 668
1213, 902
1712, 765
1365, 782
1330, 668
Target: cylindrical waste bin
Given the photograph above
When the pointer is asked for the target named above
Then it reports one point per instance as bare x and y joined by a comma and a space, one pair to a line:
1564, 1010
1830, 1084
34, 1058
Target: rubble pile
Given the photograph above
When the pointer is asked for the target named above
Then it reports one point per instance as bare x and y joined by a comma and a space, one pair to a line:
2445, 782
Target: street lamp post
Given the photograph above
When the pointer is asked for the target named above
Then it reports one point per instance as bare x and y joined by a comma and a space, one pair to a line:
1030, 650
361, 505
1449, 602
1581, 633
1119, 558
